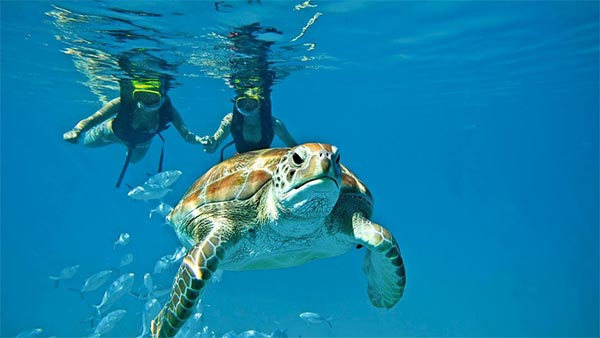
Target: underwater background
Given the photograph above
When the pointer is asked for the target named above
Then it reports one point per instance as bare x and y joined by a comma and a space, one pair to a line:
474, 125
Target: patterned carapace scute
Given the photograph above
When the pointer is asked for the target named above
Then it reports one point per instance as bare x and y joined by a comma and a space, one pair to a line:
236, 178
352, 185
241, 176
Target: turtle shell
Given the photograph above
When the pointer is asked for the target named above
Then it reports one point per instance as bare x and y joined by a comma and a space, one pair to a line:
237, 178
240, 177
352, 185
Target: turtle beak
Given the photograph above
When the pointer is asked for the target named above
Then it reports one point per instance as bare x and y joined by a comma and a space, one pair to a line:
330, 164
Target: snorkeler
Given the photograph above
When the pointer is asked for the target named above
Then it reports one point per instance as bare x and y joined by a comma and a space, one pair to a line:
142, 111
251, 123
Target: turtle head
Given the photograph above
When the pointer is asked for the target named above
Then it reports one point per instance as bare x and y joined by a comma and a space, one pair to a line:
307, 180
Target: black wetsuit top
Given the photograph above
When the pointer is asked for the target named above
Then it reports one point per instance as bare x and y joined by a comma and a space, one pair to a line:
266, 131
123, 124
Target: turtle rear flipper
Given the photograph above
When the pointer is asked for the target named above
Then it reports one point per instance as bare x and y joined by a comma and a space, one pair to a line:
195, 271
383, 264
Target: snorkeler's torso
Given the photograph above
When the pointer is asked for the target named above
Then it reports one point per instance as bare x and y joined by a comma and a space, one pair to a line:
134, 126
251, 129
252, 133
144, 121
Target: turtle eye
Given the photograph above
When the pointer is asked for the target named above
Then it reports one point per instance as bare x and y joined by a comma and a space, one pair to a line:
297, 159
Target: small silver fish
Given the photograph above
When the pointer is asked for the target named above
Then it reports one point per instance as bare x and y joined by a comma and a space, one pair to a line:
95, 281
126, 260
315, 318
165, 262
148, 192
162, 265
123, 239
151, 310
108, 322
178, 254
252, 334
65, 273
164, 179
148, 282
30, 333
162, 209
115, 291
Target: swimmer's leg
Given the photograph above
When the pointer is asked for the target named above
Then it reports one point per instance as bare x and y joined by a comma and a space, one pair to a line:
100, 135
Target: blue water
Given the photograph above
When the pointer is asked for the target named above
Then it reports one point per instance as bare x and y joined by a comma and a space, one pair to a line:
474, 124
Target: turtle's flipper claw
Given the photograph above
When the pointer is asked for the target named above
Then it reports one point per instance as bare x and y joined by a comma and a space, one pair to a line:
195, 270
383, 264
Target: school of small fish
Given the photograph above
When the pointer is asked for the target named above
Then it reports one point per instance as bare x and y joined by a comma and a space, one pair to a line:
152, 294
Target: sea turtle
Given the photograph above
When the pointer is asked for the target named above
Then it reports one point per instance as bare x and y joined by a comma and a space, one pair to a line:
277, 208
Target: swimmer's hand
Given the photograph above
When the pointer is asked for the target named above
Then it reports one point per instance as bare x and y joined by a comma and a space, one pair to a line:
208, 143
71, 136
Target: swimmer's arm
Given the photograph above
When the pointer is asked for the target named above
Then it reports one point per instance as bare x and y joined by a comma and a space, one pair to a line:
282, 132
211, 143
187, 135
108, 110
223, 130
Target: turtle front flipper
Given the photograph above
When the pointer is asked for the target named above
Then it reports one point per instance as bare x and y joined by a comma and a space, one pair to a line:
195, 270
383, 264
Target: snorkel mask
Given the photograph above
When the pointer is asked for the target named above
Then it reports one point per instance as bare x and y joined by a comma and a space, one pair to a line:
147, 94
248, 103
